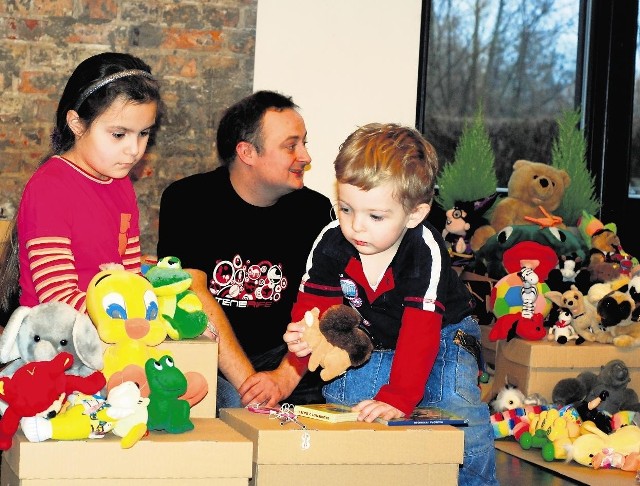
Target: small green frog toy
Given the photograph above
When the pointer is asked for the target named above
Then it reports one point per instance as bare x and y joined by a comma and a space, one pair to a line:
166, 410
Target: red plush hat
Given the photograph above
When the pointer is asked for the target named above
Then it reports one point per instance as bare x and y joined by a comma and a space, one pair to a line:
538, 257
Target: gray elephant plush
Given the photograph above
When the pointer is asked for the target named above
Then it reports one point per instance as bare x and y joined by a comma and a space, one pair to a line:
39, 333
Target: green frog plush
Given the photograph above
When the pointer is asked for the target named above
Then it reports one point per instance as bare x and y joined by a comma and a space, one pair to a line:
166, 410
180, 308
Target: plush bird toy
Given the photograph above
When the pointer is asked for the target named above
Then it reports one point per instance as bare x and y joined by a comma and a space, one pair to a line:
125, 310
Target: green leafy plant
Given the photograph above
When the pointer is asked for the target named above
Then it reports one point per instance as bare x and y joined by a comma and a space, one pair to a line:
471, 175
569, 153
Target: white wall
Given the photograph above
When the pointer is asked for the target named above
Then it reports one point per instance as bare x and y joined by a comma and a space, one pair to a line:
344, 62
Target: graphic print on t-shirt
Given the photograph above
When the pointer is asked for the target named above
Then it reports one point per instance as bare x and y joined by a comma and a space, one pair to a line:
239, 283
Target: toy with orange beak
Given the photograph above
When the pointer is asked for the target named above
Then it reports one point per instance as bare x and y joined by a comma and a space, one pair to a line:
124, 308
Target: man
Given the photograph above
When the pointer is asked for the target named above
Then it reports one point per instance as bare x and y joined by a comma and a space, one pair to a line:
248, 274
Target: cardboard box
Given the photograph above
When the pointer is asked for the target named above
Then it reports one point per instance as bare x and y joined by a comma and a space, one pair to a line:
353, 453
201, 355
573, 470
537, 366
213, 454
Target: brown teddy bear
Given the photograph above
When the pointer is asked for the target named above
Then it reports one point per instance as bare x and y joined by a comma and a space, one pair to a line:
532, 188
336, 340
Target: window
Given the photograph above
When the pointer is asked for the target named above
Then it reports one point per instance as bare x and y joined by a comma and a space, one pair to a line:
526, 61
517, 60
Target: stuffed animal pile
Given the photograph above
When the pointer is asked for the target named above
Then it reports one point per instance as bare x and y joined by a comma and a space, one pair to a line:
71, 376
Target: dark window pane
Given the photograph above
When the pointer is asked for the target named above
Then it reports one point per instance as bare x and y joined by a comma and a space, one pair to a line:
516, 59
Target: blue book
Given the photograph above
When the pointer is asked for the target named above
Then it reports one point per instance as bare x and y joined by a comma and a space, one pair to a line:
428, 416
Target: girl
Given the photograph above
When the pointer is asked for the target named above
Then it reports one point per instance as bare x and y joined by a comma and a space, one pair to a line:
79, 210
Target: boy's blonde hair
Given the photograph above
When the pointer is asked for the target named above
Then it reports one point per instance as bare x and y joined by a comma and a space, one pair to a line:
378, 153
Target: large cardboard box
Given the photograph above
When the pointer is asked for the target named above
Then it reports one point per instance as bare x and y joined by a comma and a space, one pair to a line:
537, 366
353, 453
201, 355
213, 454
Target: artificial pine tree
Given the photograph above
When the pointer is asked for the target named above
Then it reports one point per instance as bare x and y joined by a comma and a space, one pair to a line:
471, 176
569, 153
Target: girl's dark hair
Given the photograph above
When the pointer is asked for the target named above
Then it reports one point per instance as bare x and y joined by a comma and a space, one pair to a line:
92, 87
95, 84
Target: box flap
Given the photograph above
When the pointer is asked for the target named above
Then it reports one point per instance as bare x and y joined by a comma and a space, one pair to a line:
212, 449
346, 442
545, 354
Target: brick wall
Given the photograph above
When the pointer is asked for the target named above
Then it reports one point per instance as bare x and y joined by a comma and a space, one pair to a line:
202, 51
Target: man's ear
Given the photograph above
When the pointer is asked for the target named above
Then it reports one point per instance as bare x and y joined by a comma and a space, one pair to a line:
75, 123
418, 214
246, 152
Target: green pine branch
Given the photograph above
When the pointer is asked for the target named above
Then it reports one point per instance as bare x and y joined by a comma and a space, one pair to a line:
471, 175
569, 153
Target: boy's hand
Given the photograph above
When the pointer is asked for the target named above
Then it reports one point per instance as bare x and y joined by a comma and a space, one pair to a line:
293, 338
372, 409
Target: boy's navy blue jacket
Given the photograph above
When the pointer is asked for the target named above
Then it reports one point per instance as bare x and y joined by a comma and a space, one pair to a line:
418, 294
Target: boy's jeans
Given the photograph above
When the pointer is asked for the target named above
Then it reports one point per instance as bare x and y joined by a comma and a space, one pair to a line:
452, 385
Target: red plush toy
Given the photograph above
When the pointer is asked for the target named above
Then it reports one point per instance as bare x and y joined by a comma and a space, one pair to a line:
532, 262
40, 388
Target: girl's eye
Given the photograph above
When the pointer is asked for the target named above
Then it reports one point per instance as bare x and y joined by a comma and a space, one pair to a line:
118, 135
342, 209
375, 217
145, 133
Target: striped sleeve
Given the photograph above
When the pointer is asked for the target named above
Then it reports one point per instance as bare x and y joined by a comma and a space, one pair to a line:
132, 254
53, 271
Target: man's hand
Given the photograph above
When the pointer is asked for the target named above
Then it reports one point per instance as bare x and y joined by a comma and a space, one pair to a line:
372, 409
266, 387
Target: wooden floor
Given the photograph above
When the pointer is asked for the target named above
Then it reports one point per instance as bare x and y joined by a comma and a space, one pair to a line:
514, 471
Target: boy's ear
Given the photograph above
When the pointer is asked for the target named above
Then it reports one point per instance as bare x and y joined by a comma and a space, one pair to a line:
417, 216
75, 123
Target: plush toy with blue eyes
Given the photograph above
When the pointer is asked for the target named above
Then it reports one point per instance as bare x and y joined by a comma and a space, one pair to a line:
124, 308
